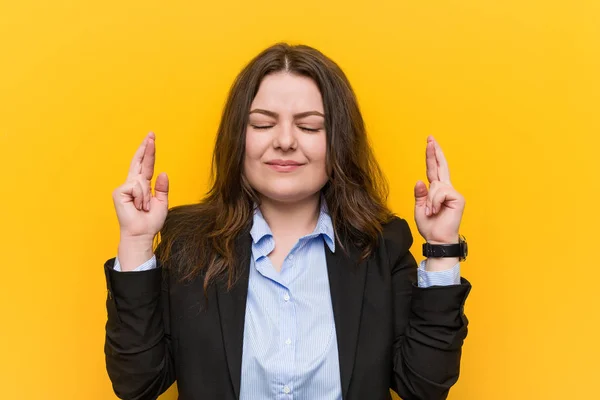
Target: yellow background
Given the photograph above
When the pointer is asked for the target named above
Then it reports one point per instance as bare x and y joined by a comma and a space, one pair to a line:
511, 89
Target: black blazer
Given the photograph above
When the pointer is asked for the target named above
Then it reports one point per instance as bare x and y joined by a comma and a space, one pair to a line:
390, 333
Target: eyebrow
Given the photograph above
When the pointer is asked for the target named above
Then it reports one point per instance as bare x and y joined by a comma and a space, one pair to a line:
296, 116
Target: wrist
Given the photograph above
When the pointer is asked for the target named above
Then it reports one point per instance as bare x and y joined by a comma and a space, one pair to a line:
134, 251
436, 264
135, 239
450, 240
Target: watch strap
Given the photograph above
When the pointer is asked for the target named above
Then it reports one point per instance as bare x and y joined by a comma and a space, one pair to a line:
446, 250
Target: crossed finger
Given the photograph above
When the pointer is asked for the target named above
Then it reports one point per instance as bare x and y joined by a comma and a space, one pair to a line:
143, 159
437, 166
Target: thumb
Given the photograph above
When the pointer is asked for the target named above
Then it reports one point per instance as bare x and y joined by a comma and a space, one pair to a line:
420, 194
161, 188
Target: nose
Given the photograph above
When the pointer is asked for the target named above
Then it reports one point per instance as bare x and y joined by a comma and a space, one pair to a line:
285, 137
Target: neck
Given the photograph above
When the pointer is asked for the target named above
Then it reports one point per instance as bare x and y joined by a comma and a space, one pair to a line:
291, 219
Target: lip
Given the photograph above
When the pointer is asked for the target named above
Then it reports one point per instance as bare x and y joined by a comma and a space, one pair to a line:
283, 162
284, 165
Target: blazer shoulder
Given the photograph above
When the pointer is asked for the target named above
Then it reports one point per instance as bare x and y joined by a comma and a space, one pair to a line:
397, 237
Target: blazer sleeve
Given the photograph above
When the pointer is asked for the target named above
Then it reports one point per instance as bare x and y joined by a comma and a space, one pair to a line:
138, 345
429, 324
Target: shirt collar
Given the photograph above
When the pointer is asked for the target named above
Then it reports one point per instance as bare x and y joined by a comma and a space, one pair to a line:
261, 229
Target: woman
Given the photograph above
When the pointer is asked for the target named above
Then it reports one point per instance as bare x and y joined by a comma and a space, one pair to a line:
291, 279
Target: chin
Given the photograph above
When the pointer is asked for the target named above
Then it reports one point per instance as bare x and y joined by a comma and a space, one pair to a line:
287, 193
287, 196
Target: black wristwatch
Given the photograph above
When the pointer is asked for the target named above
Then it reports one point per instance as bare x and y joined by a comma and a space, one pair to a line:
459, 249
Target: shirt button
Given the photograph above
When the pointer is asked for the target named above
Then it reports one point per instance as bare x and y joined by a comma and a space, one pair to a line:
289, 341
286, 389
286, 297
291, 257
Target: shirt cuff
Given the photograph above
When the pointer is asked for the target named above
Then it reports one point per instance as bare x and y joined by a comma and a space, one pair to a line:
148, 265
438, 278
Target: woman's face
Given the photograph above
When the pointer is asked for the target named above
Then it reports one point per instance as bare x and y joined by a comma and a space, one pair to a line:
286, 147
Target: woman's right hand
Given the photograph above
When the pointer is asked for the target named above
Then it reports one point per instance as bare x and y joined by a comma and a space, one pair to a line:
141, 215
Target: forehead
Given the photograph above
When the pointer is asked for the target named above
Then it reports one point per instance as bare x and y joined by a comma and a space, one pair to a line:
283, 91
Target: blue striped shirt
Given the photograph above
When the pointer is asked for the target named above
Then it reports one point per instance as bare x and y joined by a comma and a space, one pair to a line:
290, 345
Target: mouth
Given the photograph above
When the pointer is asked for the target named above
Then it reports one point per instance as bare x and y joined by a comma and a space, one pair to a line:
284, 165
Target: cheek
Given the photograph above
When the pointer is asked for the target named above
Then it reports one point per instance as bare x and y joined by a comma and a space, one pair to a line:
253, 150
315, 148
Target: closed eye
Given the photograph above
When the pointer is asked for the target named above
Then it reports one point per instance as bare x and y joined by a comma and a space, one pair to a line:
309, 129
265, 127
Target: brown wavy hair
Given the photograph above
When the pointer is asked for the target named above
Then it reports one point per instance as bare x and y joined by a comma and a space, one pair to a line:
200, 239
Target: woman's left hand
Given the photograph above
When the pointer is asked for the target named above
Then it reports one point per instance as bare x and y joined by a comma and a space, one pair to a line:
439, 209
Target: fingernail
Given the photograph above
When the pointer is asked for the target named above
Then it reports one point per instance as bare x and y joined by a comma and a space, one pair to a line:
427, 211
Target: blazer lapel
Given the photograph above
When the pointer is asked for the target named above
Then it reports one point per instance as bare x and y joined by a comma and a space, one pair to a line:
347, 284
232, 309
